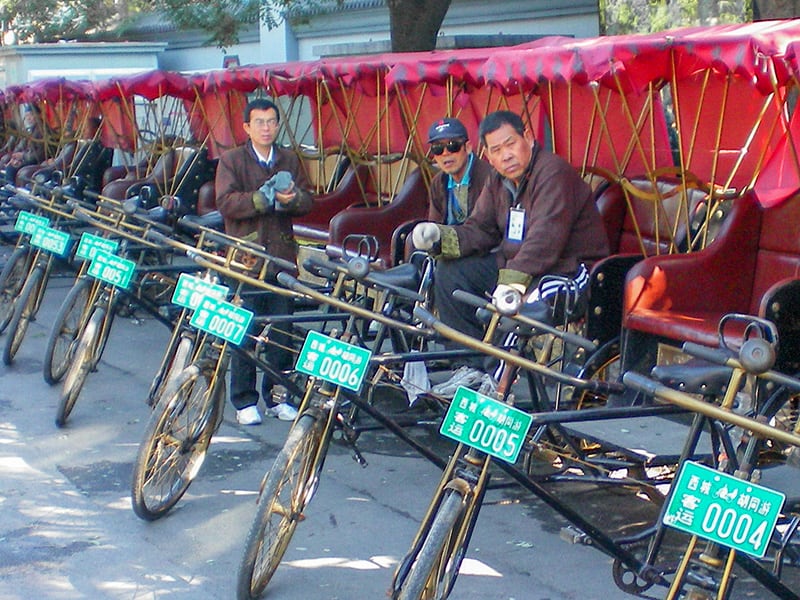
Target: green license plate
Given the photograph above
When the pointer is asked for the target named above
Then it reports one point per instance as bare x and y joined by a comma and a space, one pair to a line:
112, 269
222, 319
90, 244
50, 239
719, 507
190, 289
486, 424
27, 222
333, 360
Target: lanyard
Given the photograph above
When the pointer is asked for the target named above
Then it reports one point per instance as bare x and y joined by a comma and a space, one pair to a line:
456, 213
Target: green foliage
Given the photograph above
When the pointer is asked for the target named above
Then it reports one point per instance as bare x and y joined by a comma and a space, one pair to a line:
49, 21
647, 16
222, 19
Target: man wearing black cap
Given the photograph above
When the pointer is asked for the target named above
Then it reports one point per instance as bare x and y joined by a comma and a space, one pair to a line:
454, 191
534, 217
462, 174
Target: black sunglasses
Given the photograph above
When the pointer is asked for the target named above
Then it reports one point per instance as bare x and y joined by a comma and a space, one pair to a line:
452, 147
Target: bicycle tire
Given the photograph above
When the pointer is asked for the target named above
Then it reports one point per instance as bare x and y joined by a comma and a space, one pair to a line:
163, 384
65, 331
423, 579
295, 472
175, 443
111, 307
82, 363
24, 312
12, 278
604, 364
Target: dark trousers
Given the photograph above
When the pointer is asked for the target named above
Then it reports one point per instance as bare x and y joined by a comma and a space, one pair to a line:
474, 274
243, 372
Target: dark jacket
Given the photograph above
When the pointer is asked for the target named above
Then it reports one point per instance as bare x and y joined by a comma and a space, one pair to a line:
437, 208
239, 176
563, 227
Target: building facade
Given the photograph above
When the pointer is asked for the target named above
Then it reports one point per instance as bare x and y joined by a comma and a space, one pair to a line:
351, 28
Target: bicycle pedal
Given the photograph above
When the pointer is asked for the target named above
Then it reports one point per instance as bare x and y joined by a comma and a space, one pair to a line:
573, 535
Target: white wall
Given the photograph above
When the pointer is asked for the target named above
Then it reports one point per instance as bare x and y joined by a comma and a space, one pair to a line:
73, 60
205, 58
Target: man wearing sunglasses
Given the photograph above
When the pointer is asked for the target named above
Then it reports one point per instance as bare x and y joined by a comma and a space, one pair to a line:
455, 188
534, 217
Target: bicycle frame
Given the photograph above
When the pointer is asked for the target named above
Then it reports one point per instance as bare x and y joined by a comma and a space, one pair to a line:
712, 570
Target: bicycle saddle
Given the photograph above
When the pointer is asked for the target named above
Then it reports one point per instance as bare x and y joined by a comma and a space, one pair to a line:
210, 220
405, 275
694, 377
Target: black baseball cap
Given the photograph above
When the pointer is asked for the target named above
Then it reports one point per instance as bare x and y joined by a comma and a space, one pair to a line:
447, 129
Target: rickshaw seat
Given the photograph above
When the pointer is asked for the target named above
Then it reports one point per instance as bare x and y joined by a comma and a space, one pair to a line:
162, 170
86, 158
648, 217
314, 225
753, 267
410, 203
324, 169
206, 198
643, 216
127, 172
179, 171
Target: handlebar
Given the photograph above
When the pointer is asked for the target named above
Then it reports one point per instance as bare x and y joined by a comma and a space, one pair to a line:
744, 361
219, 263
566, 336
358, 268
293, 284
23, 199
654, 389
115, 225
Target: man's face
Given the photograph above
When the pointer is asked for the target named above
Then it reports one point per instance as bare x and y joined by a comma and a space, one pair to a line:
262, 128
509, 152
451, 155
28, 120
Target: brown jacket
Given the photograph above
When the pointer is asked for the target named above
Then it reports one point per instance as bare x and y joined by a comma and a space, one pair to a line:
562, 225
239, 176
439, 195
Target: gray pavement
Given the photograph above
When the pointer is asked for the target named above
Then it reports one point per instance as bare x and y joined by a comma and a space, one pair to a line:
68, 531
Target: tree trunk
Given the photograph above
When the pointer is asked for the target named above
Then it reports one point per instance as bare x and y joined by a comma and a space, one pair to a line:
414, 24
775, 9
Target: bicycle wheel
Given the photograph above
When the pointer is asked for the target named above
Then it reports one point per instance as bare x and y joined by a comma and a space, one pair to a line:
286, 491
12, 278
67, 325
435, 567
175, 442
82, 363
603, 365
163, 383
24, 312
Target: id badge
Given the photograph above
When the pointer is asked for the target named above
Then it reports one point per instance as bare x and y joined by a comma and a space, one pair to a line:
516, 224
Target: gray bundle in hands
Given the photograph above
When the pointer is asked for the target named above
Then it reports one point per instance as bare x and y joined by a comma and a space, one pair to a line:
280, 182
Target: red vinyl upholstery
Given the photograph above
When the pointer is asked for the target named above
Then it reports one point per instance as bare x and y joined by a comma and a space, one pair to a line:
754, 261
410, 203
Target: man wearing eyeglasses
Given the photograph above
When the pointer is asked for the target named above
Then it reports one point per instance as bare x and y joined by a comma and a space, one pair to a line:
455, 188
259, 188
534, 217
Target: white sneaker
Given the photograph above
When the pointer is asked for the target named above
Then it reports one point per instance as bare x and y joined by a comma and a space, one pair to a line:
282, 411
488, 385
249, 415
466, 376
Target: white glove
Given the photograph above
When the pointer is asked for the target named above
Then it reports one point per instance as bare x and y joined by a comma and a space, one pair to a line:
425, 235
507, 298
